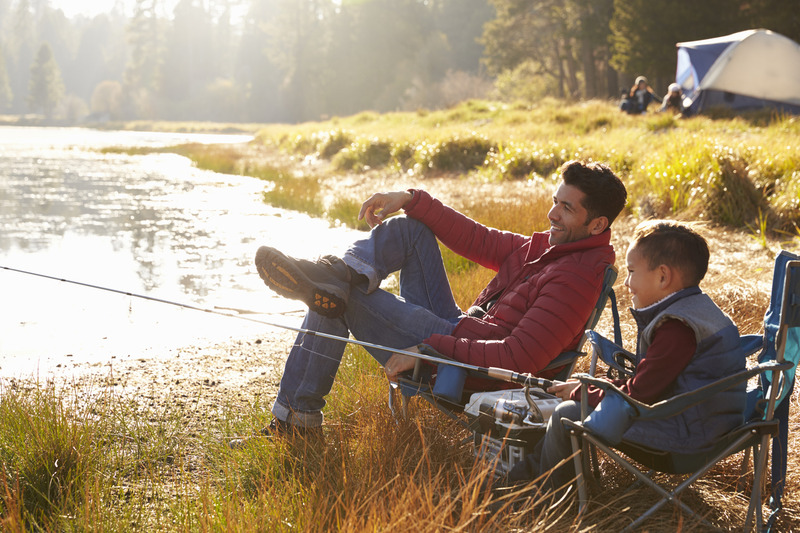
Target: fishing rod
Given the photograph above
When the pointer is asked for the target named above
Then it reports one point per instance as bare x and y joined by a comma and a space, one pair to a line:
427, 353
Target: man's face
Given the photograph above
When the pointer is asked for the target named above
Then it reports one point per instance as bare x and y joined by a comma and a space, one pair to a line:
568, 218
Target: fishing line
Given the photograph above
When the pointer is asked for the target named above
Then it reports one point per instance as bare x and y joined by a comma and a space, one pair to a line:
498, 373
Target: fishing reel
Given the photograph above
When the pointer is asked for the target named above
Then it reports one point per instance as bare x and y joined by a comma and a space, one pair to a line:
509, 409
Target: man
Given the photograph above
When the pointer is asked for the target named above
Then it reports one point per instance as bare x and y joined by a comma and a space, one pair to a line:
535, 308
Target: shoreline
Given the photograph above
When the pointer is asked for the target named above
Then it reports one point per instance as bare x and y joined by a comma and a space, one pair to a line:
203, 378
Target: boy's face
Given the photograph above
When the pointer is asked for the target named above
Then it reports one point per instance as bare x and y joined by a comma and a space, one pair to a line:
645, 285
568, 218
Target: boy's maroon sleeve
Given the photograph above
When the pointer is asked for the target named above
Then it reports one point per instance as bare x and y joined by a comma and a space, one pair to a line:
674, 344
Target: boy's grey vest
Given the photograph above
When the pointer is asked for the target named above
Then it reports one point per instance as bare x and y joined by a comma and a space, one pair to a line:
718, 354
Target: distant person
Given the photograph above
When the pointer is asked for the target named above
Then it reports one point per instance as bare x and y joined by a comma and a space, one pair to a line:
673, 100
626, 103
641, 95
684, 342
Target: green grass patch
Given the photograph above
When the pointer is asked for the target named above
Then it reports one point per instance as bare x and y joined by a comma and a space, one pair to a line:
672, 166
296, 193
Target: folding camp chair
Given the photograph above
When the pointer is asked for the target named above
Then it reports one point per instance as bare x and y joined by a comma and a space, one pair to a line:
766, 416
509, 441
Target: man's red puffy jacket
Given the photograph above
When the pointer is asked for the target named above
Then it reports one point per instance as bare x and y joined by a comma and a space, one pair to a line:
544, 293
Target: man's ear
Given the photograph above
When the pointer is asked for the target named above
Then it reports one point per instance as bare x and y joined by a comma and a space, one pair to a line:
598, 225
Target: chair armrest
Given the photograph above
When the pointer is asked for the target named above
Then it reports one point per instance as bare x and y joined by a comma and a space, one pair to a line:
562, 359
608, 387
677, 404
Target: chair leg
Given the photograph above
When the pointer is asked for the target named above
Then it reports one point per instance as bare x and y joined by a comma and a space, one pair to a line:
580, 479
745, 467
754, 512
666, 496
394, 392
392, 400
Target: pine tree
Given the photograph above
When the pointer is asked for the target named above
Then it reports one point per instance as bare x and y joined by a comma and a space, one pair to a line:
46, 87
6, 96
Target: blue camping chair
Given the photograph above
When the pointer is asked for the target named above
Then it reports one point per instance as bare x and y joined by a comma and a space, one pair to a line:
766, 417
451, 400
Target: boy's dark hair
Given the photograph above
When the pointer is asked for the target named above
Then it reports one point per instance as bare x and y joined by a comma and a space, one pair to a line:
665, 242
605, 193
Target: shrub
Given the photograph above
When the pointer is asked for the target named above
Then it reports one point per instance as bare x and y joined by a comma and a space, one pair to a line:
364, 154
455, 155
514, 160
331, 142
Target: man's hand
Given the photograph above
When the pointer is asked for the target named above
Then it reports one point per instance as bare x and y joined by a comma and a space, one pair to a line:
564, 389
381, 205
399, 363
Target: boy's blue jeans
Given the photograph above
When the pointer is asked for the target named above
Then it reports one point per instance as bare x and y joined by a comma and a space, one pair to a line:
425, 306
552, 455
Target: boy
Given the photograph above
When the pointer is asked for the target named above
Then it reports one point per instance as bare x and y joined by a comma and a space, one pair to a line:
684, 342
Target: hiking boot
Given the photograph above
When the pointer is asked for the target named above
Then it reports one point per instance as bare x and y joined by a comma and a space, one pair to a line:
279, 429
323, 285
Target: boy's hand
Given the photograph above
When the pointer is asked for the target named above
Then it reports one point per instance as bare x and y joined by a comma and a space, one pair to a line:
381, 205
564, 389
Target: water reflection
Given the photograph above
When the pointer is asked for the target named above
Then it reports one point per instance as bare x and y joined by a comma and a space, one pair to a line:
151, 224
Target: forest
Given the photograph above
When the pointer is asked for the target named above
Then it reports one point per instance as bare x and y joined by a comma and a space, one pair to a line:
290, 61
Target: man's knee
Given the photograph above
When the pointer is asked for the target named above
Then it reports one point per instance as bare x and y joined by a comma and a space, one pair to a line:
406, 224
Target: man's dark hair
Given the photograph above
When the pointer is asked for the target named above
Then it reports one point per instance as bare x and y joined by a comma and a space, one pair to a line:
665, 242
605, 193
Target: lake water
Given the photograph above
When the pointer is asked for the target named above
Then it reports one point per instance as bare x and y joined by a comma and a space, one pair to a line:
152, 225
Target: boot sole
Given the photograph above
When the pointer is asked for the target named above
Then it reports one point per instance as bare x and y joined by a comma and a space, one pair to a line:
282, 276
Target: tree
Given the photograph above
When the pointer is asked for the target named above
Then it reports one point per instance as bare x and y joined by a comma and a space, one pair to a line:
188, 54
780, 16
256, 72
6, 96
101, 55
20, 51
461, 22
298, 37
141, 73
106, 99
563, 41
381, 50
46, 87
644, 33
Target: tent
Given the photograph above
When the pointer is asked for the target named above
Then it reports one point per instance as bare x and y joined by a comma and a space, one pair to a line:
750, 69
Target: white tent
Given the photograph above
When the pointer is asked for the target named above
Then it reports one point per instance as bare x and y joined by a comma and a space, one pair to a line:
746, 70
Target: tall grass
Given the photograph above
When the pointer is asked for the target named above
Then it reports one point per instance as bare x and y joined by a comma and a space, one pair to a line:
723, 170
729, 171
47, 457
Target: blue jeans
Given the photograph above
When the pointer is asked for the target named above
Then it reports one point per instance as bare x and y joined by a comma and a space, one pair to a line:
425, 307
554, 448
